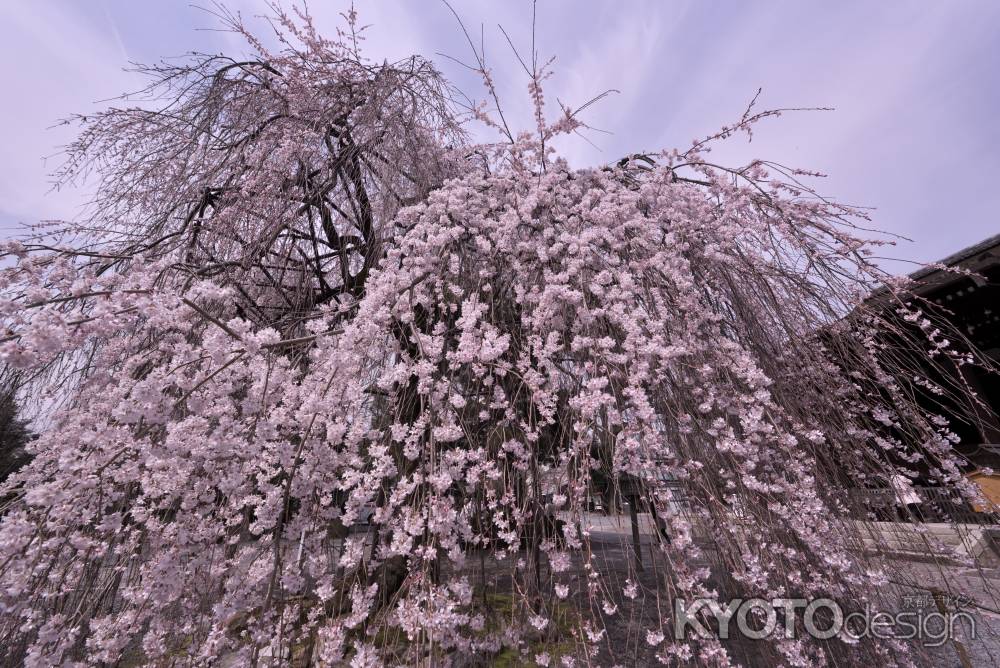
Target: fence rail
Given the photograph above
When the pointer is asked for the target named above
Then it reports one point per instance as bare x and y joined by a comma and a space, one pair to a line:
936, 505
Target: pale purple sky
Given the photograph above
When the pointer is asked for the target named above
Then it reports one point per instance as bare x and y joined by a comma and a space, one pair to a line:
915, 132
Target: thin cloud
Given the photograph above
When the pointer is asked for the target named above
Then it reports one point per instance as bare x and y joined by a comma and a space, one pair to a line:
915, 92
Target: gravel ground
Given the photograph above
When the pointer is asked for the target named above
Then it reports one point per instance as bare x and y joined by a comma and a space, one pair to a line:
973, 591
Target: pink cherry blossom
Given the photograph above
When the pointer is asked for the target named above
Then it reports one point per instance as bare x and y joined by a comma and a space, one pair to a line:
315, 357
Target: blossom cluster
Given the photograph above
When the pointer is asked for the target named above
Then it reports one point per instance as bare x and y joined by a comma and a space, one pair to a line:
220, 484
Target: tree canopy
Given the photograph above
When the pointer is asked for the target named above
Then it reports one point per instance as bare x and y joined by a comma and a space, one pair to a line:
303, 296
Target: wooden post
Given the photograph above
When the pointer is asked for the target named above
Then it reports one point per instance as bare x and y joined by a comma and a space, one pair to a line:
634, 515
